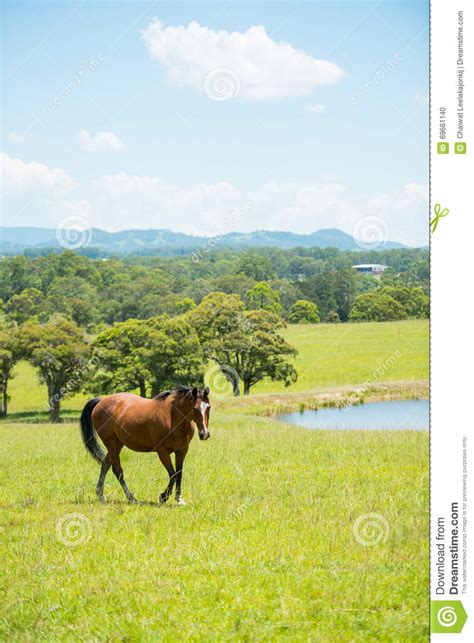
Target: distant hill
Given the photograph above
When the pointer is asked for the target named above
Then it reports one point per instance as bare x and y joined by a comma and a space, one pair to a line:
16, 240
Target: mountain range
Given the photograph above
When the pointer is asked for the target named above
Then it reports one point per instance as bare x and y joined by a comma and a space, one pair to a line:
15, 240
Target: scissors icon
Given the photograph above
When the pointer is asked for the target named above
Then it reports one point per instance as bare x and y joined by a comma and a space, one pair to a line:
439, 214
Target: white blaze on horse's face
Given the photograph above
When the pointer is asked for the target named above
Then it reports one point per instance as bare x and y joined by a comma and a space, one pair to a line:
204, 409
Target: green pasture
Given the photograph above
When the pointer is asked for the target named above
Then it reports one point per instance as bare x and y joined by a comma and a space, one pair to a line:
342, 354
271, 544
287, 534
328, 355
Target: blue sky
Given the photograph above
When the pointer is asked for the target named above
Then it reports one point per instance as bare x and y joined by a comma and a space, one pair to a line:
138, 139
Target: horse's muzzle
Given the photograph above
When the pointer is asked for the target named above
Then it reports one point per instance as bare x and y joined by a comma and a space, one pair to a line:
204, 435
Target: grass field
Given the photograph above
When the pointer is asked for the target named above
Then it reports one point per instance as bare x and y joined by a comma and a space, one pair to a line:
341, 354
268, 546
287, 534
329, 355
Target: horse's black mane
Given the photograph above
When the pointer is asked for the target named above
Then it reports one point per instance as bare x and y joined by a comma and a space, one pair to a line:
186, 391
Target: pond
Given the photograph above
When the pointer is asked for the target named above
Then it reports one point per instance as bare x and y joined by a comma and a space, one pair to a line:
392, 415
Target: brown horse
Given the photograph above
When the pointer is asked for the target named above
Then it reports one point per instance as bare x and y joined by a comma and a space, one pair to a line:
164, 424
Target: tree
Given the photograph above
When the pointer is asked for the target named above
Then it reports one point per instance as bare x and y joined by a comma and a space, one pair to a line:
74, 297
245, 344
16, 274
333, 290
229, 283
197, 289
174, 354
183, 306
10, 355
300, 268
26, 304
256, 266
265, 351
344, 287
303, 312
148, 355
153, 305
319, 289
332, 317
218, 314
376, 306
135, 294
262, 297
414, 300
60, 352
288, 292
120, 353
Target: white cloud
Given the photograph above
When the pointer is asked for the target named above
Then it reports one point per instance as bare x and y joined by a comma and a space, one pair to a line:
17, 137
194, 209
202, 209
406, 212
101, 142
255, 66
19, 177
122, 201
317, 108
422, 99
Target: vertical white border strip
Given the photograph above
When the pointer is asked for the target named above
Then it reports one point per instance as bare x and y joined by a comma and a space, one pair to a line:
452, 352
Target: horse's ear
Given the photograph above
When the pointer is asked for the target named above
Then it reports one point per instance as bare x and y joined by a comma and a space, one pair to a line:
207, 390
194, 392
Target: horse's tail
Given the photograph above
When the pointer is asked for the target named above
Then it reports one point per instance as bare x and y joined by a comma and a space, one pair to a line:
89, 436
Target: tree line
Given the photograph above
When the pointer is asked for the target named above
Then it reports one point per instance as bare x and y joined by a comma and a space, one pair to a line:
149, 323
149, 355
92, 292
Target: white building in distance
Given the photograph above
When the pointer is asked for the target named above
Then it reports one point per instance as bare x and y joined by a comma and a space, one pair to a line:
374, 269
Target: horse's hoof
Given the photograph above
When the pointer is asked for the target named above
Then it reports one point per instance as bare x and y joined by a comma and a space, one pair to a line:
133, 501
181, 502
163, 498
101, 499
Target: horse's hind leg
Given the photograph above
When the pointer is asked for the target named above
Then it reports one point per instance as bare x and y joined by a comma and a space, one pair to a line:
103, 472
114, 454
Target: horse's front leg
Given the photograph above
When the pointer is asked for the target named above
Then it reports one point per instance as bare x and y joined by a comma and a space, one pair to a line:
180, 455
165, 458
